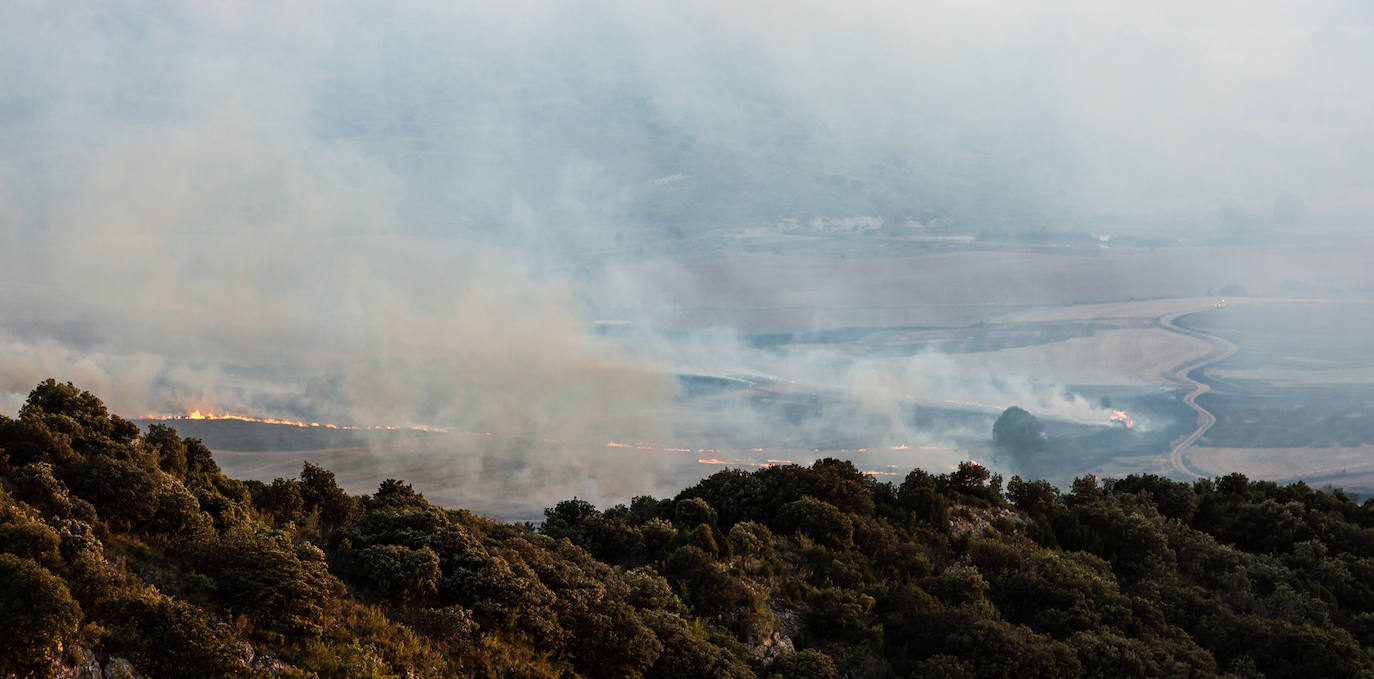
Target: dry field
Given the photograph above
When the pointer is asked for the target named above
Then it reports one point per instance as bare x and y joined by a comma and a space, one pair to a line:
1035, 318
791, 293
1285, 463
1135, 356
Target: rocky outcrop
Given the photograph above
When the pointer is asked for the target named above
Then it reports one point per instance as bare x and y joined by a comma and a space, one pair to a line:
119, 668
262, 663
774, 644
85, 667
80, 662
984, 520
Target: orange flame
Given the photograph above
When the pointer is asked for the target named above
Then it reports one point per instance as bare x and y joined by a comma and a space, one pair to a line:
1119, 416
211, 415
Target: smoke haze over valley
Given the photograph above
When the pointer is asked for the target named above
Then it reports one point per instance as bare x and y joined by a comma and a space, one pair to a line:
710, 233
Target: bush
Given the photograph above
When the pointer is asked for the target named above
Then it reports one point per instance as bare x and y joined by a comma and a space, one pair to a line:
807, 664
37, 614
168, 638
265, 578
693, 512
709, 590
818, 520
747, 537
123, 492
396, 571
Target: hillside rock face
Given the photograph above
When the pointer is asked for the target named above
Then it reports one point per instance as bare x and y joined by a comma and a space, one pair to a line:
87, 666
119, 668
262, 663
774, 644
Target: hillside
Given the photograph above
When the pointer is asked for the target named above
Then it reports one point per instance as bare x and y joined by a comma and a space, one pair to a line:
129, 550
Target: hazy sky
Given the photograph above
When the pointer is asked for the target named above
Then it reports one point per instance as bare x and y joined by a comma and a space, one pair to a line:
391, 210
562, 122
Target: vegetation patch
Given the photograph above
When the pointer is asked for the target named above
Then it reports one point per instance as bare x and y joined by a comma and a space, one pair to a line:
130, 549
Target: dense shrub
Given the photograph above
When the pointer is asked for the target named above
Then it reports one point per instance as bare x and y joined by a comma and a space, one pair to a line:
37, 614
138, 546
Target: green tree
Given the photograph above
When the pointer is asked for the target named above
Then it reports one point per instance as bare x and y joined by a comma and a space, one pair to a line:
283, 498
125, 493
168, 449
1019, 433
77, 413
283, 589
198, 457
819, 520
711, 591
807, 664
37, 613
694, 511
398, 572
687, 654
166, 637
1031, 496
321, 493
920, 494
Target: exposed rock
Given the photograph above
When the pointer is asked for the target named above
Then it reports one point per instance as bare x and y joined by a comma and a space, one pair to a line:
983, 520
789, 620
119, 668
773, 645
266, 664
79, 662
86, 668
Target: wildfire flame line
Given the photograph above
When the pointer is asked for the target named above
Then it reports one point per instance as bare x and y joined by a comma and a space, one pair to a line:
210, 415
1116, 416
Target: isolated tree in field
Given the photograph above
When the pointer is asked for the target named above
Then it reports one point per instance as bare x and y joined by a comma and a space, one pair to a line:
1019, 433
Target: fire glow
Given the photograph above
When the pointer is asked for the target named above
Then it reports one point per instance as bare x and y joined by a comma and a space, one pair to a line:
1119, 416
210, 415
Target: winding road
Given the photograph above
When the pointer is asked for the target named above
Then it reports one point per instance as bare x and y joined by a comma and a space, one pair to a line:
1221, 349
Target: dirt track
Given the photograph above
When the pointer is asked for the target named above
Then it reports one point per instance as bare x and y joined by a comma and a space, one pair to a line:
1221, 349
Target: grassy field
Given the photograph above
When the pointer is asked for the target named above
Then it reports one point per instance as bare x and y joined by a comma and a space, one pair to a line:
1294, 401
1293, 343
761, 293
1316, 465
1300, 378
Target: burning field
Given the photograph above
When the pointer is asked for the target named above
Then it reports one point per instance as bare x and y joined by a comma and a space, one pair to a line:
731, 423
889, 399
506, 420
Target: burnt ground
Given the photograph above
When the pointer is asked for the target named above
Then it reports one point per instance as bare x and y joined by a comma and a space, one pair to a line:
261, 437
1074, 450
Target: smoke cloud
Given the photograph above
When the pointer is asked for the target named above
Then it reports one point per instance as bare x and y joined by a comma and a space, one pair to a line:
415, 214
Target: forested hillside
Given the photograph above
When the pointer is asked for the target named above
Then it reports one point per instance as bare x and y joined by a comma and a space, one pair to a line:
130, 550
